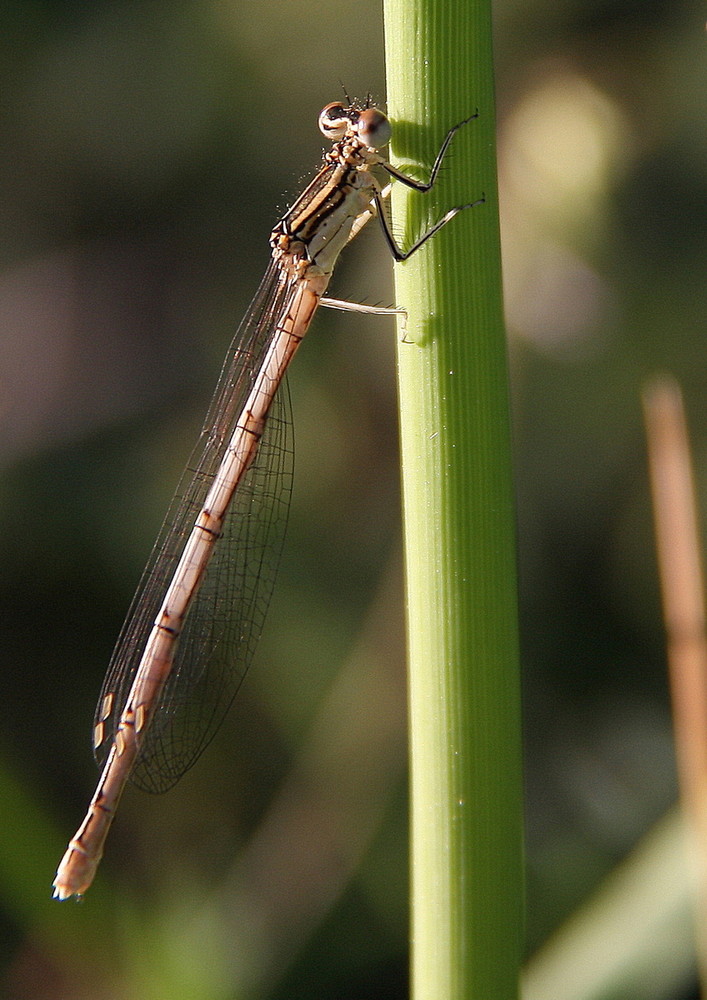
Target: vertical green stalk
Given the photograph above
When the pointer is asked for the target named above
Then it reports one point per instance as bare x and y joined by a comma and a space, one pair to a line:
466, 791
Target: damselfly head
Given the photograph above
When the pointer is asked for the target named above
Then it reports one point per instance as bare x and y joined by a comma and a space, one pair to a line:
369, 124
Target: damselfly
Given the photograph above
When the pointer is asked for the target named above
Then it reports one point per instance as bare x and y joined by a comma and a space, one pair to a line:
192, 627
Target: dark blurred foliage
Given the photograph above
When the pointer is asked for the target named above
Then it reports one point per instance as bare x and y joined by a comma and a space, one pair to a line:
145, 152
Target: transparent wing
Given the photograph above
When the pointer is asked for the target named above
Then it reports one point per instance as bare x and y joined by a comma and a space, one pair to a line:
226, 616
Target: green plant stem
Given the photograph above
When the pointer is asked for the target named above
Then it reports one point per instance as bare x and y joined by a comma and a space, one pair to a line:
466, 790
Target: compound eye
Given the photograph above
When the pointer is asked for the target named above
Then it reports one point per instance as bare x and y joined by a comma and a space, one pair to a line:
373, 128
335, 120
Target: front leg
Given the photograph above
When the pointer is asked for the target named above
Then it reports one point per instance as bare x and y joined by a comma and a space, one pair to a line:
426, 185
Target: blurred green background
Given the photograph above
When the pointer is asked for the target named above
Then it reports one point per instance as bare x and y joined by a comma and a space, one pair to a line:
145, 152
